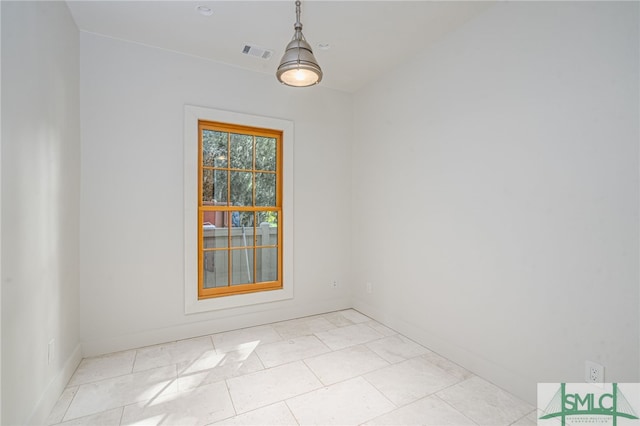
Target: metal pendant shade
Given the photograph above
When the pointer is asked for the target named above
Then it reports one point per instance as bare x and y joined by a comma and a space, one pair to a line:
298, 67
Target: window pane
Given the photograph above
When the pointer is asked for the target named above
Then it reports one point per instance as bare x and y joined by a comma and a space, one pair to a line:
214, 148
270, 218
241, 151
242, 264
265, 153
242, 234
241, 188
207, 187
214, 234
220, 187
265, 189
215, 269
244, 219
268, 231
267, 264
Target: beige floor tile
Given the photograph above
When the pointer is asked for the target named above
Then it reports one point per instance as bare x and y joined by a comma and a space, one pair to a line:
103, 367
397, 348
245, 338
302, 327
173, 353
429, 411
485, 403
266, 387
294, 349
344, 364
106, 418
96, 397
196, 407
410, 380
337, 319
351, 335
354, 316
217, 367
347, 403
59, 410
528, 420
382, 329
277, 414
448, 366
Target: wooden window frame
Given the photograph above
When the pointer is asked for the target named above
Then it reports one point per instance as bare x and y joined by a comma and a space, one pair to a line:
228, 209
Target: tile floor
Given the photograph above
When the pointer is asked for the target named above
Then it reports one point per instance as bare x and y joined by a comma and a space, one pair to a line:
340, 368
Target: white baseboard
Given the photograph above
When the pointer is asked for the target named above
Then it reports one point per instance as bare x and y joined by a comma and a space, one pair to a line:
522, 387
51, 394
203, 328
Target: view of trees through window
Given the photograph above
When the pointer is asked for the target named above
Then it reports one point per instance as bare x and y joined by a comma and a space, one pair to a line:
217, 148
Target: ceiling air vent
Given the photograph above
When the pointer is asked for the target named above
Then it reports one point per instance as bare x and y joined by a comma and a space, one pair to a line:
256, 51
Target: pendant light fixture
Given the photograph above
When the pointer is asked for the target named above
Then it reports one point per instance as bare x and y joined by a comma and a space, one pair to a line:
298, 67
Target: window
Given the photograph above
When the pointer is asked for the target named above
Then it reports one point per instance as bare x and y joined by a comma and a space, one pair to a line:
240, 211
192, 226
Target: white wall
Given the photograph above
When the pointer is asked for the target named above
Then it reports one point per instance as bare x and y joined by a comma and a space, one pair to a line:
512, 146
132, 275
40, 206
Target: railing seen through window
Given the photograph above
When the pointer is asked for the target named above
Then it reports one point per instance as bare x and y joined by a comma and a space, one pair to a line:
239, 209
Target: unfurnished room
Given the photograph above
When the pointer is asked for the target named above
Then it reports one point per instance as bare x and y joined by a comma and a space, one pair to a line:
320, 212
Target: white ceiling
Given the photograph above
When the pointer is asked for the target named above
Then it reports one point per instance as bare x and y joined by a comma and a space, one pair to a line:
366, 38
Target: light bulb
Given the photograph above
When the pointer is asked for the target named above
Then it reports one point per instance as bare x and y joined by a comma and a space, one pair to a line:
299, 77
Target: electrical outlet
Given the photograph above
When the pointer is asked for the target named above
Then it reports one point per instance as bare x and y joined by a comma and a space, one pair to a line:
593, 372
369, 288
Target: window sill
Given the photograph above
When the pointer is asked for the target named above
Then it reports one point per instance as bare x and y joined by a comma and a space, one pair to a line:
238, 300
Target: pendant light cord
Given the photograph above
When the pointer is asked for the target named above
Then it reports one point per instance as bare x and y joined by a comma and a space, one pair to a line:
298, 25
